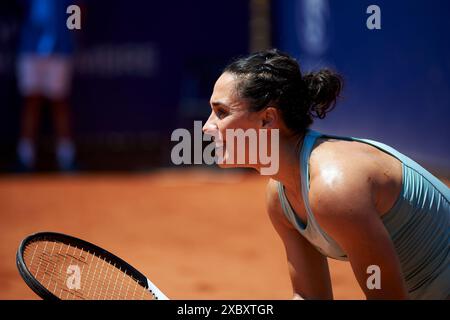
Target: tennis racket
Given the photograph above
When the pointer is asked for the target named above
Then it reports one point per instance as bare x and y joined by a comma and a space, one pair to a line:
61, 267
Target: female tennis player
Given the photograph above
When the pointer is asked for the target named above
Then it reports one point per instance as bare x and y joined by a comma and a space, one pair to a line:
340, 197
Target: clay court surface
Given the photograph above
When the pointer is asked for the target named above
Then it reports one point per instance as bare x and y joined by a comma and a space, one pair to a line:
198, 234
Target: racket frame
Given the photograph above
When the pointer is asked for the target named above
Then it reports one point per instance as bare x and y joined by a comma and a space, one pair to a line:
99, 252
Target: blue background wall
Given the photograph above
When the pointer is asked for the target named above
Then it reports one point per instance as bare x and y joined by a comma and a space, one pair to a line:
397, 78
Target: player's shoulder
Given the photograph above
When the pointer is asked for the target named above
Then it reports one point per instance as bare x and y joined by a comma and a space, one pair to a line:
338, 163
341, 178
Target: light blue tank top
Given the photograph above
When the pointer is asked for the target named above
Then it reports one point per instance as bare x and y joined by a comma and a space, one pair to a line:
418, 223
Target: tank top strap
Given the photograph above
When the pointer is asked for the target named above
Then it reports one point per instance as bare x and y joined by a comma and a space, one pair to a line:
287, 210
308, 144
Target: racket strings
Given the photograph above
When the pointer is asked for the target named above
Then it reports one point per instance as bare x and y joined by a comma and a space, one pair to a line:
73, 273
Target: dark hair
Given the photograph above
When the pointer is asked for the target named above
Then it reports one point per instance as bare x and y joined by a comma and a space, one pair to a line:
273, 77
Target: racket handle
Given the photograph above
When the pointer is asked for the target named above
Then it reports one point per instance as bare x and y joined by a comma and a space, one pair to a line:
297, 297
158, 293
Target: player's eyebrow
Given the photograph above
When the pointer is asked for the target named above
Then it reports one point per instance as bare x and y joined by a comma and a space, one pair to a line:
218, 104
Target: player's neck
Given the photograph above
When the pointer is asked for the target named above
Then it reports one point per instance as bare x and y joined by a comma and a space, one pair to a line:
289, 162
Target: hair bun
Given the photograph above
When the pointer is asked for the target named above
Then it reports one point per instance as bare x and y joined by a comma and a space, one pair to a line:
323, 89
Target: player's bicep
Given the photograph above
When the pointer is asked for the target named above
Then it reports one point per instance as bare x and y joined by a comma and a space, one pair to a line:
353, 222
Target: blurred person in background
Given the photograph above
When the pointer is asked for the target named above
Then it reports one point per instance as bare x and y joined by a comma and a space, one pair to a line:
44, 71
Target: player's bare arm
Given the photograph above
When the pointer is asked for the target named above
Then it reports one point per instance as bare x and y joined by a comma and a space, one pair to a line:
343, 199
308, 269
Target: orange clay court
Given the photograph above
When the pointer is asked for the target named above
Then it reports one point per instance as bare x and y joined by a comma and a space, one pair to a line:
198, 234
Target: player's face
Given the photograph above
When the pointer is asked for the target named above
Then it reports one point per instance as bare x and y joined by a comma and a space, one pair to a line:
228, 111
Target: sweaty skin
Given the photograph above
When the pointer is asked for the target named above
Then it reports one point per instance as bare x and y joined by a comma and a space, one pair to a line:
331, 159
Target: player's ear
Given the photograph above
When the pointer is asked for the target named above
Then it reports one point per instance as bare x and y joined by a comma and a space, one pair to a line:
270, 118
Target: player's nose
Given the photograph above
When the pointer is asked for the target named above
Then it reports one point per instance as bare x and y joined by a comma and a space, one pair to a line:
210, 126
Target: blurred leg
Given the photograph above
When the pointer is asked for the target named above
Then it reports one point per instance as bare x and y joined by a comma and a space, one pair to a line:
59, 72
29, 80
65, 150
30, 119
61, 118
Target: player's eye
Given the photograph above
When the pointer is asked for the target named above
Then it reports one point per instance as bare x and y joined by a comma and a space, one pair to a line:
221, 113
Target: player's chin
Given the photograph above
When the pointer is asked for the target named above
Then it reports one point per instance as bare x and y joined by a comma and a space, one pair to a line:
224, 165
227, 165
